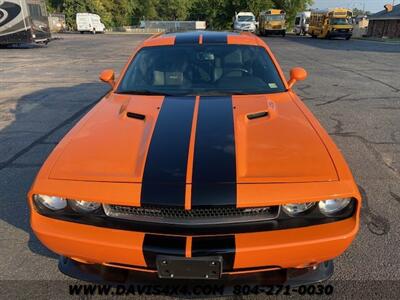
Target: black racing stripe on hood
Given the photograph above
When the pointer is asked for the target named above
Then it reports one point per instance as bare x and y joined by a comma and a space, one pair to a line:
154, 245
215, 38
224, 246
164, 177
12, 10
214, 164
187, 38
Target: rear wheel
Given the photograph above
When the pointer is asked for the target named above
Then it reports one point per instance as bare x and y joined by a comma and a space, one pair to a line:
283, 33
347, 38
82, 32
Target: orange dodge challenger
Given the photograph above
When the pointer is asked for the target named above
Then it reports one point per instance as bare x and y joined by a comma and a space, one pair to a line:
200, 164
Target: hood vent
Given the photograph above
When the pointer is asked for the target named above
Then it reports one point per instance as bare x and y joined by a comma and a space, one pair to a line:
135, 116
257, 115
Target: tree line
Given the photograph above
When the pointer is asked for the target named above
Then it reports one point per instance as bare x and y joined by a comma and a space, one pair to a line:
217, 13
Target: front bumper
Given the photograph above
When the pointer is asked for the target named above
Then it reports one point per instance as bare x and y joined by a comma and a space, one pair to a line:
286, 248
226, 285
334, 34
275, 31
248, 29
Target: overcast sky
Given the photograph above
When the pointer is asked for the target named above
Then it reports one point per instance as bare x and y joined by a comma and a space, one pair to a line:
371, 5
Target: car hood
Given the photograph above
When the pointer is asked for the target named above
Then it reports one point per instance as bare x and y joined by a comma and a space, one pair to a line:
267, 138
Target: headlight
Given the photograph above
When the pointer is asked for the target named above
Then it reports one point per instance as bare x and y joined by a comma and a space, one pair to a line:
332, 206
83, 206
51, 202
297, 208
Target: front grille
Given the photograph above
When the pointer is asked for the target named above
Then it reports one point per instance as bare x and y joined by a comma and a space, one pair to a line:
197, 216
277, 27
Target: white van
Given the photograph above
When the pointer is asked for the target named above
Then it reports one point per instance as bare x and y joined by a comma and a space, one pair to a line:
301, 23
86, 22
245, 21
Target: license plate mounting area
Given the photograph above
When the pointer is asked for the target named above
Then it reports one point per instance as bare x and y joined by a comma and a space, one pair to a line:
173, 267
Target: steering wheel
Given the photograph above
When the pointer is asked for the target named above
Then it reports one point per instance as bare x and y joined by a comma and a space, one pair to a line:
244, 71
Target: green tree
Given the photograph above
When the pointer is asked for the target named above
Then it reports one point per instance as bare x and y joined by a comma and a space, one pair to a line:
217, 13
292, 7
173, 9
70, 9
146, 9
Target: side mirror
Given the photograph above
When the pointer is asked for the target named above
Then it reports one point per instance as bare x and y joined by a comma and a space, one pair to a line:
108, 76
295, 75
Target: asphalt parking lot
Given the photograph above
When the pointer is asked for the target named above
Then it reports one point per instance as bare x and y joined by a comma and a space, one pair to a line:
353, 88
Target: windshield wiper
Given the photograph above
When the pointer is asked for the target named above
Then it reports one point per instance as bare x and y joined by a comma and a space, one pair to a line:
144, 92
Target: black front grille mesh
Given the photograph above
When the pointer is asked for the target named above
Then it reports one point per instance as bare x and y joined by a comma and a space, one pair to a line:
191, 214
201, 215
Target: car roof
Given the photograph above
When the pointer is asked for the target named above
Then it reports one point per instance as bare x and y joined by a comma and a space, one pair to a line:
202, 37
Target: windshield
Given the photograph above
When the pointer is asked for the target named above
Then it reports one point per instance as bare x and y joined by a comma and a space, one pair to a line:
245, 18
339, 21
201, 70
275, 17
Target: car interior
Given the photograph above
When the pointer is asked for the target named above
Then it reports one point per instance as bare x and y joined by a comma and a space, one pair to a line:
203, 68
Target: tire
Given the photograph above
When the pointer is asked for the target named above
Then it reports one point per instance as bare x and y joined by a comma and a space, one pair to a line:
81, 32
328, 36
348, 38
283, 33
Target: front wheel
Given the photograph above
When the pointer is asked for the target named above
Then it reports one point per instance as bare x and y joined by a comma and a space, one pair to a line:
347, 38
328, 36
283, 33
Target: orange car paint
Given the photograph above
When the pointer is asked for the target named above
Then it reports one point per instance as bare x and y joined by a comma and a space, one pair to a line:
313, 171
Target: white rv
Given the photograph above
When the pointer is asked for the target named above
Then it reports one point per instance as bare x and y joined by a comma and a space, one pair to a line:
245, 21
87, 22
23, 21
301, 23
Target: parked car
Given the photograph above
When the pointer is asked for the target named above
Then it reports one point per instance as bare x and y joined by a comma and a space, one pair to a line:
86, 22
200, 163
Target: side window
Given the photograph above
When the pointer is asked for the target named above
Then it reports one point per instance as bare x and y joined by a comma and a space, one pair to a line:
297, 21
35, 10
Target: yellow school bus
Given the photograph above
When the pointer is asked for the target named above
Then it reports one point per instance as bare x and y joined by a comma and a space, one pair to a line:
335, 22
272, 21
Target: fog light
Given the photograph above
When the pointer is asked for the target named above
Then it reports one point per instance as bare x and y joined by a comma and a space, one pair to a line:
332, 206
297, 208
83, 206
51, 202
